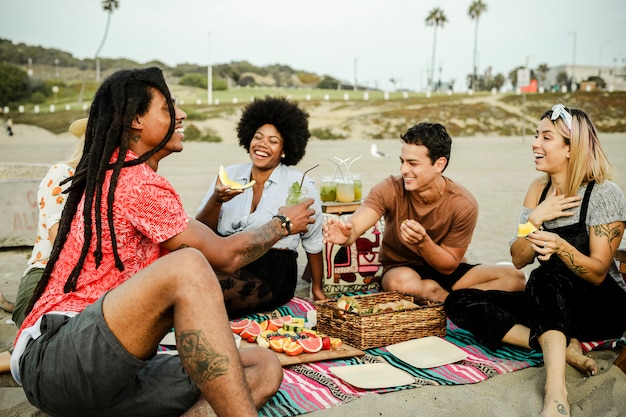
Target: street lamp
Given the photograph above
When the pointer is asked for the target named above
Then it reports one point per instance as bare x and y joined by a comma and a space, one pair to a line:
55, 90
209, 73
355, 82
600, 57
573, 85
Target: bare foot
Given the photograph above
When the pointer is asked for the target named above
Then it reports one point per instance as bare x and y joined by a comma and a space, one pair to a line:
555, 406
5, 304
574, 356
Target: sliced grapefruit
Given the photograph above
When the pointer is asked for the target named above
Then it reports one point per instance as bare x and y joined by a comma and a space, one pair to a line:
238, 325
251, 331
273, 324
233, 185
277, 323
311, 344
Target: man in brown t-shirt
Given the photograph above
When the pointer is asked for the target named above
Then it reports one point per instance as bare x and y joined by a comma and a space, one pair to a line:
429, 222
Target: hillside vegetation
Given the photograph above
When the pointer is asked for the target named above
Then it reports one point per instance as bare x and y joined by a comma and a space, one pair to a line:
335, 113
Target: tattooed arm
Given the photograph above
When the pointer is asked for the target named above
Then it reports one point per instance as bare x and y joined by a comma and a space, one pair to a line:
604, 240
231, 253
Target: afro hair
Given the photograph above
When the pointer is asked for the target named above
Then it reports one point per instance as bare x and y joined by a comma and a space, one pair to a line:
290, 120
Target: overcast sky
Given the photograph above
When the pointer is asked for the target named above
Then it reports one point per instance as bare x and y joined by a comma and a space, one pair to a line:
386, 39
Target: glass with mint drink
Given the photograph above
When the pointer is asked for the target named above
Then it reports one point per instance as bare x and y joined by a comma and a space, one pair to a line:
296, 194
358, 187
328, 189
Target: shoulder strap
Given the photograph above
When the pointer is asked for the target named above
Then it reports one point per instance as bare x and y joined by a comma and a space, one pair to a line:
585, 204
545, 191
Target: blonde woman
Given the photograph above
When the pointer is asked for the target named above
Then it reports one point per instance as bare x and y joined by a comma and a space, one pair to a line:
577, 293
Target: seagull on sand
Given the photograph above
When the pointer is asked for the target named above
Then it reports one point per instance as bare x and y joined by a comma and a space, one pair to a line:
376, 153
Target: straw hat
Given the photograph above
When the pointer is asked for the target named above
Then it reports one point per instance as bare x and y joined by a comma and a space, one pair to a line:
78, 128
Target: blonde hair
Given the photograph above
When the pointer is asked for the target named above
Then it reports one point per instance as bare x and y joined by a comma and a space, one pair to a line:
587, 161
78, 153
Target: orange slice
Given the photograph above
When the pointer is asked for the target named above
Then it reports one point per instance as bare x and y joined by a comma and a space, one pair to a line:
292, 348
276, 344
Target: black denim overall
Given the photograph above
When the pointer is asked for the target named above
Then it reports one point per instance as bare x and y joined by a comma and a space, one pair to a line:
560, 300
555, 299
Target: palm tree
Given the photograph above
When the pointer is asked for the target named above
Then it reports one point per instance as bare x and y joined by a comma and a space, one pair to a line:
476, 9
108, 6
543, 70
436, 17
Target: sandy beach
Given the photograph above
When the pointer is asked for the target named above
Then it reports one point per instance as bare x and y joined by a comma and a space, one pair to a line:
497, 170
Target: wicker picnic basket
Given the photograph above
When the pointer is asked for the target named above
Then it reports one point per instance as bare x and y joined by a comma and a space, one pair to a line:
365, 331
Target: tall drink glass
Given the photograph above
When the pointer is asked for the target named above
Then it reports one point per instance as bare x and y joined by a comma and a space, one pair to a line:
345, 190
328, 189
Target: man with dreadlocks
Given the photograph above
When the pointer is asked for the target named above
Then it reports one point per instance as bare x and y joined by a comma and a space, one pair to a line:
128, 265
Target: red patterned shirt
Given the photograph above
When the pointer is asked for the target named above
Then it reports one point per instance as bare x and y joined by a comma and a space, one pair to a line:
146, 211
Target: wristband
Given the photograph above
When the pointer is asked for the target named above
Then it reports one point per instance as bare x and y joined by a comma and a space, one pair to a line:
284, 222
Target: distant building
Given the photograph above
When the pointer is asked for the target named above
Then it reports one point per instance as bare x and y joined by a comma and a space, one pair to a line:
614, 77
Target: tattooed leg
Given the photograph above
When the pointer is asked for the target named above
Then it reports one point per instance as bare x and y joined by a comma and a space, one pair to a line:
555, 398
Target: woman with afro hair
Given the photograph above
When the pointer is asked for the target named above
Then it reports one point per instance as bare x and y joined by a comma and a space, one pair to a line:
274, 131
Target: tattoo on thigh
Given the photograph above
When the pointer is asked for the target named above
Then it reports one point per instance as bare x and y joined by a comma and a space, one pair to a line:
200, 360
561, 409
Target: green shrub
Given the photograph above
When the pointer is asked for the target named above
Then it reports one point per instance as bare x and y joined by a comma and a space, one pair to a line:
193, 134
37, 97
326, 134
194, 80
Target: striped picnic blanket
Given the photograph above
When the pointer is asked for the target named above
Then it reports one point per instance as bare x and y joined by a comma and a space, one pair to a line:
311, 387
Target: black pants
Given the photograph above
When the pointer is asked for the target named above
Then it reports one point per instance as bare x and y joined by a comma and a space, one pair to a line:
552, 301
262, 285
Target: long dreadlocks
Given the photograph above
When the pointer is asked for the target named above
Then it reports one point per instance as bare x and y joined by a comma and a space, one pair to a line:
120, 98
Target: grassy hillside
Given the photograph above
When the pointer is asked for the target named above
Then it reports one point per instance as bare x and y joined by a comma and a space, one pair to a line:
377, 117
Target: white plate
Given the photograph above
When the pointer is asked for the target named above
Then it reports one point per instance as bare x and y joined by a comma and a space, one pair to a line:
427, 352
372, 375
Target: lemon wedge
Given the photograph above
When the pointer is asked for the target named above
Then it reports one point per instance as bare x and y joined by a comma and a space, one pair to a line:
525, 229
233, 185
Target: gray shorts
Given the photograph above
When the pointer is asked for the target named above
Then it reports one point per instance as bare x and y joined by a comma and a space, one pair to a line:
78, 368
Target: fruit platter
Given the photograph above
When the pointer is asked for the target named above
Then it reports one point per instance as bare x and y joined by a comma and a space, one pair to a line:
291, 340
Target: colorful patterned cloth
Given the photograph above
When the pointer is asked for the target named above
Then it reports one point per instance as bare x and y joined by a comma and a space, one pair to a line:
311, 387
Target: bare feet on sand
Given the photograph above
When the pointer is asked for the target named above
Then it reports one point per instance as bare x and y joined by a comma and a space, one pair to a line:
555, 405
5, 304
574, 356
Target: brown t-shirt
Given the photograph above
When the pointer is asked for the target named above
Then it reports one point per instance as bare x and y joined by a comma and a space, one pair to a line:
449, 221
